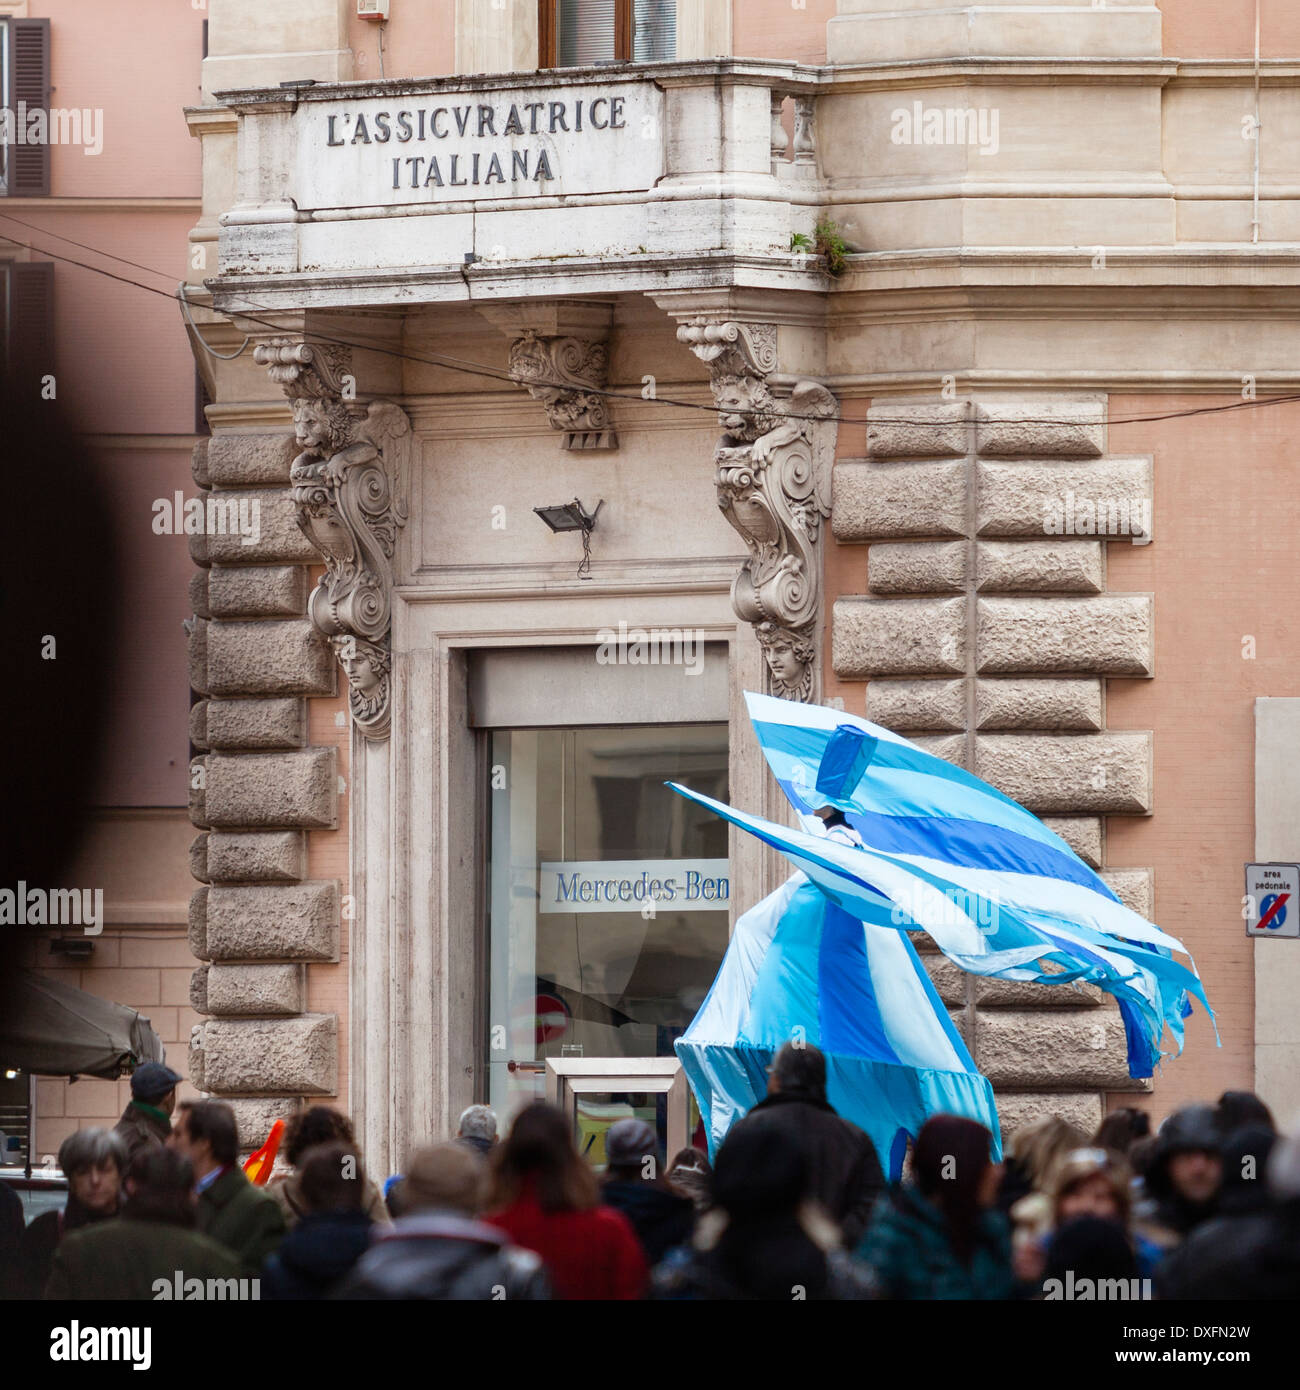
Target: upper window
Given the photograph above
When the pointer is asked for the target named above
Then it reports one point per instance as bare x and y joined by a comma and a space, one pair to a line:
24, 107
580, 33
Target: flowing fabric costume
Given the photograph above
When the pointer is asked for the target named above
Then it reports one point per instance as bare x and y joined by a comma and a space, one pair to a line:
933, 848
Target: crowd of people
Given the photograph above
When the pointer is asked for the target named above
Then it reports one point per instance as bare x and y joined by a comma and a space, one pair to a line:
796, 1206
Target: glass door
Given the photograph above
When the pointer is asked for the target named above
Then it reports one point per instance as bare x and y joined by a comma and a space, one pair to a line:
608, 898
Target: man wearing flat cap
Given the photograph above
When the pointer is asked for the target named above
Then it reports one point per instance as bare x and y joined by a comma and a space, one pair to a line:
146, 1121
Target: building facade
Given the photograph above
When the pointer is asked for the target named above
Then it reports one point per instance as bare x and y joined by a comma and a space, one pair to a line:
919, 358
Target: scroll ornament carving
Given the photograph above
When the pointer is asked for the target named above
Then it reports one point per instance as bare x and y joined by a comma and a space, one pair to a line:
343, 485
566, 374
773, 486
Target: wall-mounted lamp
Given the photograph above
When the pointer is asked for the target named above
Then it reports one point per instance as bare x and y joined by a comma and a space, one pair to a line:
573, 516
74, 947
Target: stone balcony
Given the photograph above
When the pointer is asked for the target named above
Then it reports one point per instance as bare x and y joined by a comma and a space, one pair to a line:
578, 181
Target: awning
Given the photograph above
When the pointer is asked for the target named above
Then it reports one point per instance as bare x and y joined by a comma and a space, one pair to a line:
52, 1029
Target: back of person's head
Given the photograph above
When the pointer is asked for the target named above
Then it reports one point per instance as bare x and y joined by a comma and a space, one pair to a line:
214, 1121
160, 1187
1237, 1109
761, 1171
1246, 1154
539, 1154
442, 1177
84, 1149
632, 1151
690, 1160
800, 1067
951, 1157
332, 1178
1090, 1247
478, 1122
318, 1124
1122, 1128
1284, 1170
1039, 1146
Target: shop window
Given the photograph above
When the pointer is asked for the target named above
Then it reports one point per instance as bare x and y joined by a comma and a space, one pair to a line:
608, 904
25, 83
581, 33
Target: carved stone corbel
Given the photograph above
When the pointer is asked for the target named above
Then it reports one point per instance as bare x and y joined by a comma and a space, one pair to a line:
344, 488
566, 374
773, 484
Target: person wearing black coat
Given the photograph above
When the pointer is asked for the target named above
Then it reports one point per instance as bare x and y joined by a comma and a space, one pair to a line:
332, 1235
635, 1185
846, 1176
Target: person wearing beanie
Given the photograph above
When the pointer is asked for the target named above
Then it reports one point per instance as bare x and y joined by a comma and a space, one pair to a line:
1182, 1178
146, 1122
1249, 1249
1094, 1248
766, 1236
635, 1185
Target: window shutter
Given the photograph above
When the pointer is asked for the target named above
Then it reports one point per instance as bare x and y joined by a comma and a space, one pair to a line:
29, 82
29, 346
654, 31
586, 32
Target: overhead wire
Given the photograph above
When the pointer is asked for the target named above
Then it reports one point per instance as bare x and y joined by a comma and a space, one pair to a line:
470, 368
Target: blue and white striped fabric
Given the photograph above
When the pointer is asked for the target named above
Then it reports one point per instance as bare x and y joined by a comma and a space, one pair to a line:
944, 852
800, 968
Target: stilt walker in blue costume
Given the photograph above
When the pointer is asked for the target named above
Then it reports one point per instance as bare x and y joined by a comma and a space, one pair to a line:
895, 840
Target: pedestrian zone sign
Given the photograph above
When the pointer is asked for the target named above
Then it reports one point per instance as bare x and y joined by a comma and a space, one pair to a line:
1272, 906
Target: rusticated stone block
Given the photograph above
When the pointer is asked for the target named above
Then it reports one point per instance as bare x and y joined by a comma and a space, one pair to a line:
197, 929
276, 658
199, 792
257, 723
1081, 833
199, 594
262, 529
898, 637
273, 856
199, 990
199, 463
264, 790
1108, 773
921, 567
197, 543
1074, 567
951, 748
1037, 499
1133, 887
196, 650
1109, 635
245, 459
254, 1117
199, 857
1016, 1109
916, 429
950, 980
262, 990
1047, 1049
926, 706
199, 724
1030, 704
293, 922
298, 1056
258, 591
1043, 429
885, 501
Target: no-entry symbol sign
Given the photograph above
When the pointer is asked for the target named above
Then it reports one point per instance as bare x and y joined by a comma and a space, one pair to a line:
1272, 906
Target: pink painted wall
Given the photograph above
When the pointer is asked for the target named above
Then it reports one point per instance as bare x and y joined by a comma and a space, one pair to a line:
776, 29
1226, 28
419, 41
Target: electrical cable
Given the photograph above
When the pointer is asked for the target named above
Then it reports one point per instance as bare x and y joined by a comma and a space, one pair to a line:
468, 368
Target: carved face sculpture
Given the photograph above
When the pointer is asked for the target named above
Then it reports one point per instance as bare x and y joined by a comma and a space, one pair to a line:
744, 405
788, 655
360, 669
317, 424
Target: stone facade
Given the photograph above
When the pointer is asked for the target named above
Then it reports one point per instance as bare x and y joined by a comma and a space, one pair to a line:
992, 651
257, 789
